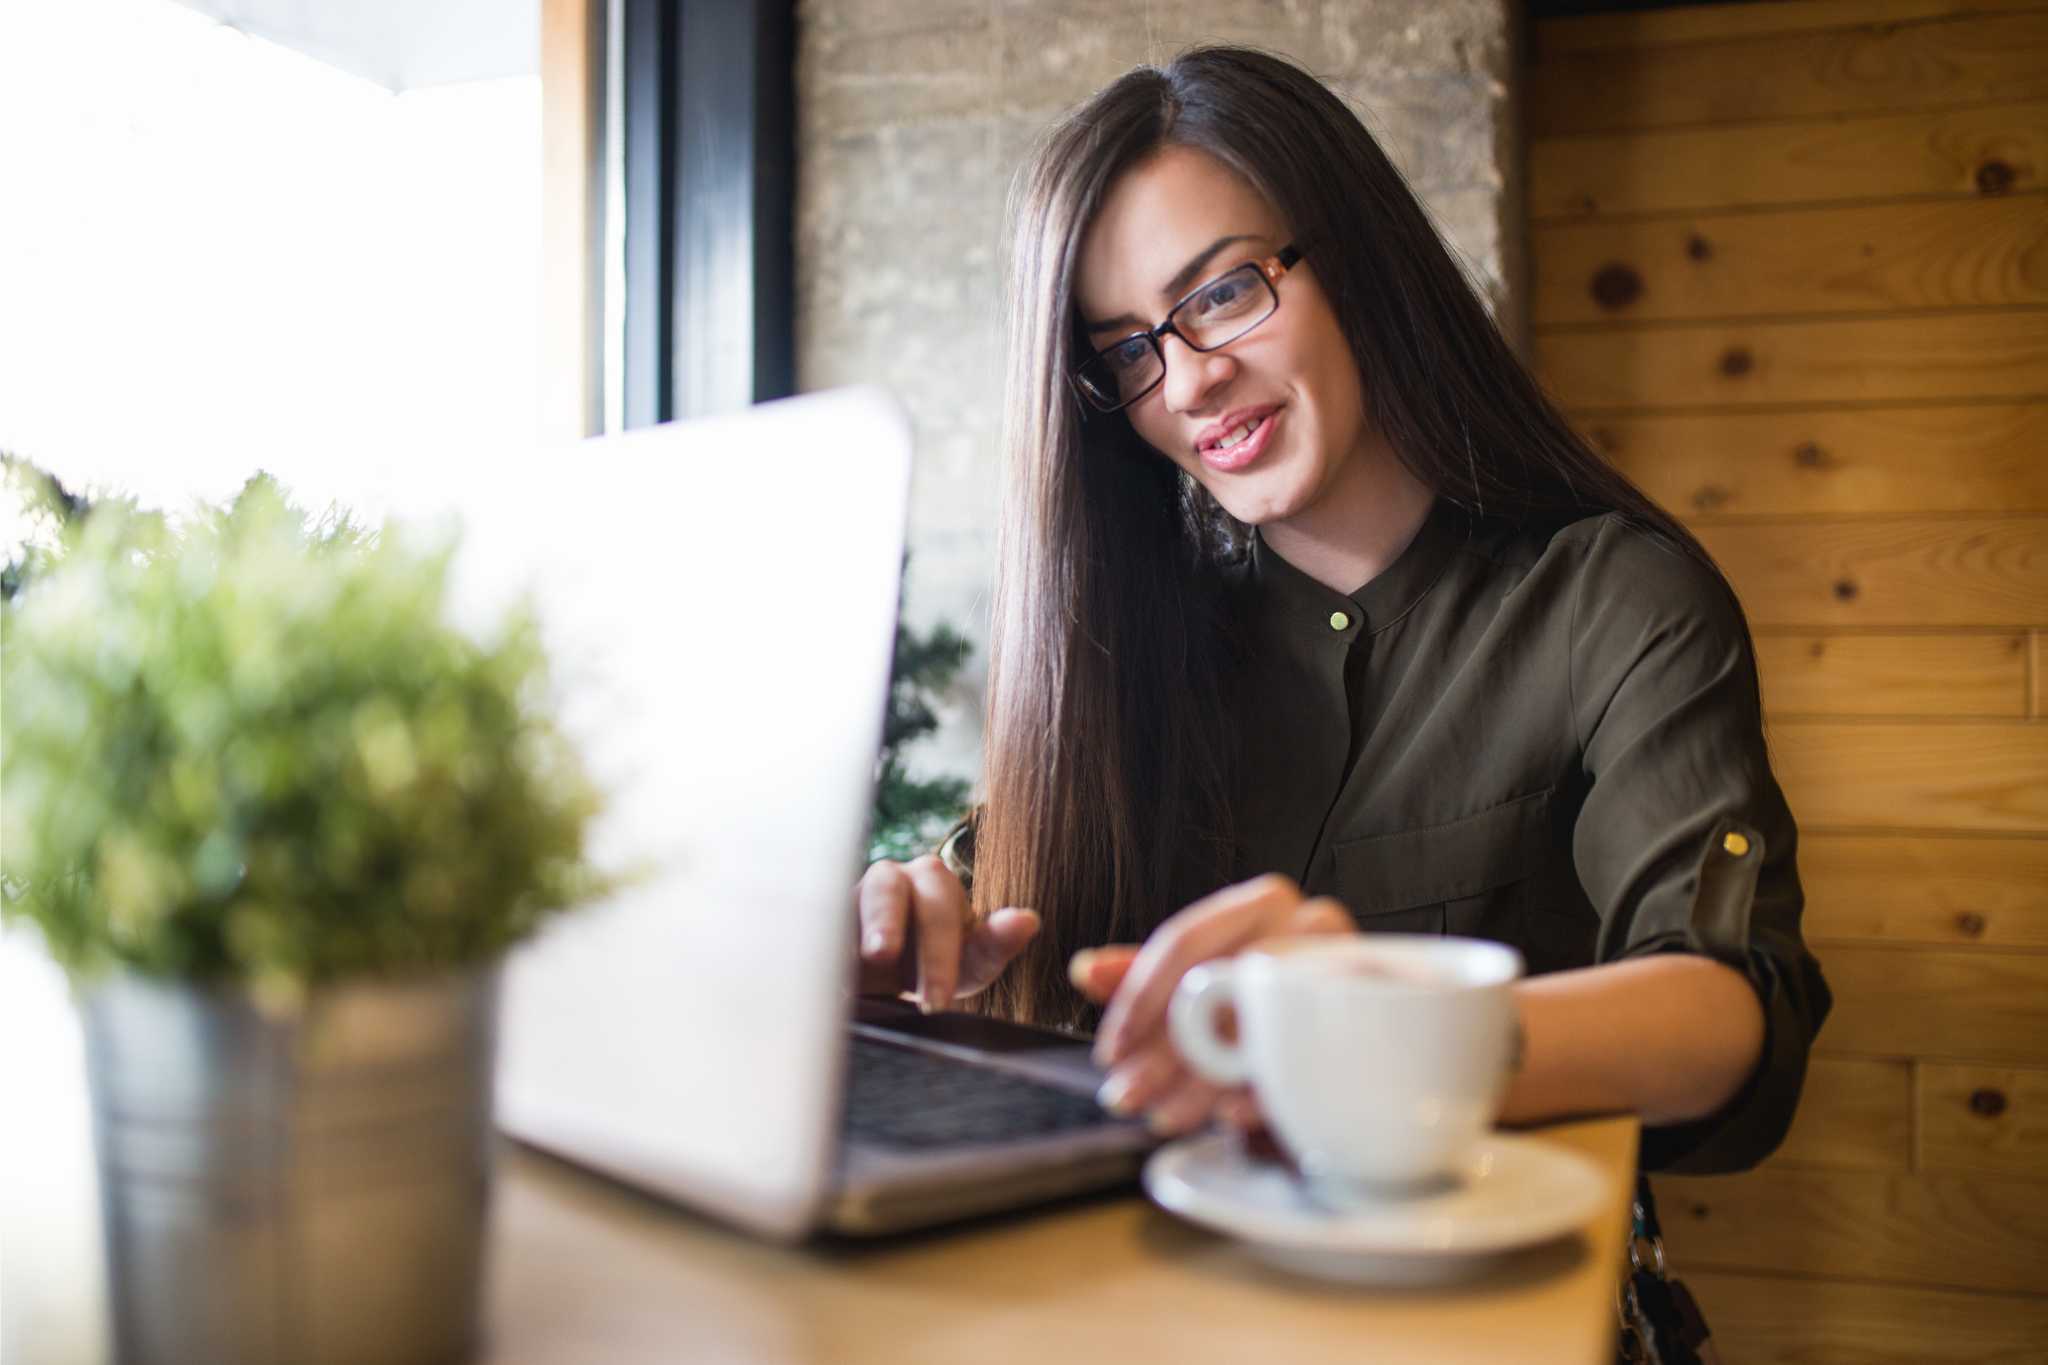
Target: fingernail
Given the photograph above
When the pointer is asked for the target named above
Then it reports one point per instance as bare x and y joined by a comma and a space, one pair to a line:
874, 942
1078, 967
1113, 1094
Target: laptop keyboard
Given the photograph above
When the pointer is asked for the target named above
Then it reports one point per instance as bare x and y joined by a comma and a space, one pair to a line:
899, 1097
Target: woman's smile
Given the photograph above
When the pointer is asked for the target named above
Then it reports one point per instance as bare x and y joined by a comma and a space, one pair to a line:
1237, 441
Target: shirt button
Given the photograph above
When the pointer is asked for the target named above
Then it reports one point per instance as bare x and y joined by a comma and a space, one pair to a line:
1339, 621
1735, 844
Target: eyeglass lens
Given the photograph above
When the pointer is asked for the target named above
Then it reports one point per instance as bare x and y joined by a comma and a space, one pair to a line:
1215, 315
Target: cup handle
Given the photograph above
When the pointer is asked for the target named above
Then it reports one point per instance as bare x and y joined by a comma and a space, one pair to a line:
1191, 1019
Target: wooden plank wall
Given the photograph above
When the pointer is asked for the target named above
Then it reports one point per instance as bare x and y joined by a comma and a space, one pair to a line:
1791, 272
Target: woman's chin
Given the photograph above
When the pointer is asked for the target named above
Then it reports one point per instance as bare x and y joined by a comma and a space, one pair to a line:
1256, 508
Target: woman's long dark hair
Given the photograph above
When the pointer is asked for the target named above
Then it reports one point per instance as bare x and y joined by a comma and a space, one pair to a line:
1109, 741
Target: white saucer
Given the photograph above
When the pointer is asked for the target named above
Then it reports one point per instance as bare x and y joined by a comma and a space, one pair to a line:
1518, 1191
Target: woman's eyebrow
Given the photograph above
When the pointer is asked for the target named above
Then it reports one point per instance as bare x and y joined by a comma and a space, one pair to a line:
1185, 279
1181, 280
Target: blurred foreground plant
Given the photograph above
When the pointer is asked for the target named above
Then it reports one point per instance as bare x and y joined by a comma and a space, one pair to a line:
251, 748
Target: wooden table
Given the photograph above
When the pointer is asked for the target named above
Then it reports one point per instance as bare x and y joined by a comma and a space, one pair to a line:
585, 1270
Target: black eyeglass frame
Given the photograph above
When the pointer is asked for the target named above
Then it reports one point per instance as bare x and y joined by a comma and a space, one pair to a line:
1270, 269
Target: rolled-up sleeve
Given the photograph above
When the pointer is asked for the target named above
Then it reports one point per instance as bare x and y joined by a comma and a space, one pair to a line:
1684, 842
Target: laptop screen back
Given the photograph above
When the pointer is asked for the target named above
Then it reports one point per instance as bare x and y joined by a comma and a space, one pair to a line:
719, 598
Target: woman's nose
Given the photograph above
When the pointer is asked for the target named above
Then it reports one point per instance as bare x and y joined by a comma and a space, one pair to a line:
1191, 375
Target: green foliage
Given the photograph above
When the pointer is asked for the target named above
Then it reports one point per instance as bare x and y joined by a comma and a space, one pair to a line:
40, 509
911, 814
251, 748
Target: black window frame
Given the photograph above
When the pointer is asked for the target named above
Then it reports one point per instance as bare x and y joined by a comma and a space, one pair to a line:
709, 155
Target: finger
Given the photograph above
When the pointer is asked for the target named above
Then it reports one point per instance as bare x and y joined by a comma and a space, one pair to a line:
939, 905
1240, 1110
1211, 927
1183, 1109
1096, 972
882, 901
1323, 915
1134, 1085
990, 945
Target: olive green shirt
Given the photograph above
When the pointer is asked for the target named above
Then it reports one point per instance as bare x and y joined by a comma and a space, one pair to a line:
1551, 740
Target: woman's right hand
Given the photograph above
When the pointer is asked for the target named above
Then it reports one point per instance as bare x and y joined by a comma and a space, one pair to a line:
918, 935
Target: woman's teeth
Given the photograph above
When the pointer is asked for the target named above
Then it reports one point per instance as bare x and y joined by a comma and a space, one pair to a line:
1242, 433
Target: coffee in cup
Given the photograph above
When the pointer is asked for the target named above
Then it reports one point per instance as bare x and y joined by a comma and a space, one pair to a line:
1379, 1060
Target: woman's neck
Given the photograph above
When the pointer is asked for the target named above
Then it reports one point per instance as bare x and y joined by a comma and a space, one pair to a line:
1360, 524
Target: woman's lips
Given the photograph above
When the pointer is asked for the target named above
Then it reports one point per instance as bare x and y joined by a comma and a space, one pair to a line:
1230, 459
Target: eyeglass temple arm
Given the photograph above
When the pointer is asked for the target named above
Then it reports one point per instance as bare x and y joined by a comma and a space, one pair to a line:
1273, 267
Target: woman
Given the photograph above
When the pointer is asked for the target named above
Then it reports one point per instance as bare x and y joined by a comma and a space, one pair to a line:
1307, 593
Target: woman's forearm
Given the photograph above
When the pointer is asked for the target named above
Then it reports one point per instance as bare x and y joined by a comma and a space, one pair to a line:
1672, 1037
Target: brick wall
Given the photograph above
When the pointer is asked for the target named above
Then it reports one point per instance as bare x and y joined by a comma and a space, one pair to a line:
912, 116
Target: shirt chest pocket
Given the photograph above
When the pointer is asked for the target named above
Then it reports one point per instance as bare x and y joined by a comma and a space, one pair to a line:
1470, 876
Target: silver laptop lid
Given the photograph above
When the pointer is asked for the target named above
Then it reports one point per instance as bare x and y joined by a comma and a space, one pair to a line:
719, 597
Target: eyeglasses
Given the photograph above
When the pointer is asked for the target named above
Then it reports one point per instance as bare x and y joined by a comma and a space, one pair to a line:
1213, 316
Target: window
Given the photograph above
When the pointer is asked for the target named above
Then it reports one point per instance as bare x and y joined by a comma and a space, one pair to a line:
219, 255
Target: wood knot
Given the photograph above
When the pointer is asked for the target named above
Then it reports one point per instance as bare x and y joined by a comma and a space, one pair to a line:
1817, 650
1737, 361
1970, 924
1808, 455
1699, 1212
1709, 497
1616, 286
1845, 590
1987, 1103
1698, 247
1588, 204
1995, 177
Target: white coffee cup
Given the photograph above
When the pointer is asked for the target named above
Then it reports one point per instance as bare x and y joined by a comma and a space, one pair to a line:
1379, 1060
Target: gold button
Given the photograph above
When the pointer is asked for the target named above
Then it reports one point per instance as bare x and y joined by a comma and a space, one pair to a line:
1339, 621
1735, 843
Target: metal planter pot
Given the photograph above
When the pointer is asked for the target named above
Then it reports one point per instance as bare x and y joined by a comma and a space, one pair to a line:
298, 1190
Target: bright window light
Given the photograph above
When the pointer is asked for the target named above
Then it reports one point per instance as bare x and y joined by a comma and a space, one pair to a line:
218, 255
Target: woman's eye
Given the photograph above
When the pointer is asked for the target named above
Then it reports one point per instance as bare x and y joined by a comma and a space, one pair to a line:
1126, 354
1224, 297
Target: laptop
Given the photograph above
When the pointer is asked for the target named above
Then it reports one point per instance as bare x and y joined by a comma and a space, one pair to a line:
719, 598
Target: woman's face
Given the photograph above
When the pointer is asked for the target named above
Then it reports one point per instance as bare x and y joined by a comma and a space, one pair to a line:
1171, 223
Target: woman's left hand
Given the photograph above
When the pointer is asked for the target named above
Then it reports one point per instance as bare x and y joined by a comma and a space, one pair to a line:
1145, 1072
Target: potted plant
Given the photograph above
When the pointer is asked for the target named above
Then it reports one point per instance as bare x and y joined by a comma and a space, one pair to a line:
279, 820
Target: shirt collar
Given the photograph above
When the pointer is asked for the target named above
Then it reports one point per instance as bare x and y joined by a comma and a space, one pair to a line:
1392, 593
